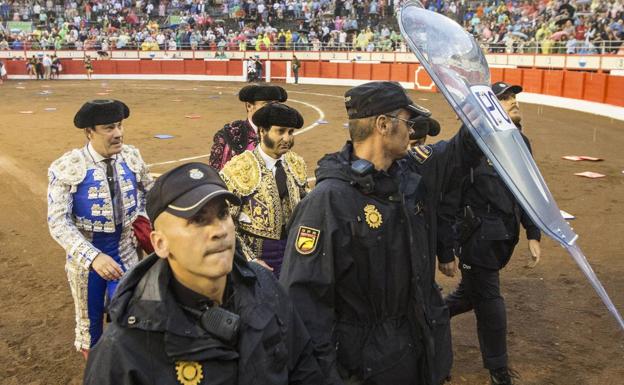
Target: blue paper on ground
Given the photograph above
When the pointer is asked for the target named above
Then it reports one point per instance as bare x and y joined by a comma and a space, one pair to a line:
163, 136
322, 121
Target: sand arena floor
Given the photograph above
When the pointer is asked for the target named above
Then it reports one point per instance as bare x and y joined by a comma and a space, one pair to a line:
559, 332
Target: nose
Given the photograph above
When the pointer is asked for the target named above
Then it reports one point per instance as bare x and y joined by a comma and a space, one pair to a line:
219, 229
118, 131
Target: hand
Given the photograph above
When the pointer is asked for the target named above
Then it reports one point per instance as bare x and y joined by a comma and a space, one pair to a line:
448, 269
263, 264
106, 267
536, 253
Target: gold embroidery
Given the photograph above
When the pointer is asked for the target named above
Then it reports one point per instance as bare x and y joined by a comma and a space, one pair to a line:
263, 214
242, 173
297, 166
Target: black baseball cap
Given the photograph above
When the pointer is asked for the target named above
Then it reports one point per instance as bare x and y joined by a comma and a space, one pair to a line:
376, 98
500, 88
424, 126
184, 190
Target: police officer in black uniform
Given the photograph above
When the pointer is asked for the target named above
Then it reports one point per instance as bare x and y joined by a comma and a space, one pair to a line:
487, 233
360, 257
195, 312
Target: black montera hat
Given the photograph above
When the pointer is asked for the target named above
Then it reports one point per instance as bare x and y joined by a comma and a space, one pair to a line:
277, 114
376, 98
96, 112
184, 190
500, 88
254, 93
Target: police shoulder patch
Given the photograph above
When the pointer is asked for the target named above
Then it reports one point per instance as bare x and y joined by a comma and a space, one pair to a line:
307, 240
422, 153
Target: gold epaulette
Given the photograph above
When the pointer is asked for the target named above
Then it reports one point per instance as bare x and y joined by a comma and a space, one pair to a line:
242, 174
297, 166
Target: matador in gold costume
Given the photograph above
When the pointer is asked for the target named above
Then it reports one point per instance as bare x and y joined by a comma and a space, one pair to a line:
270, 181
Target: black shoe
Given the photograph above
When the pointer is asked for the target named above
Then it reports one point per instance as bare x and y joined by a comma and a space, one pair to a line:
503, 376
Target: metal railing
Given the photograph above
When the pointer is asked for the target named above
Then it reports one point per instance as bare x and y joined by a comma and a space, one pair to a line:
550, 47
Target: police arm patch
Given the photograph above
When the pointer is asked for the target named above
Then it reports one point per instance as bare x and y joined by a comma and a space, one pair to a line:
307, 240
422, 153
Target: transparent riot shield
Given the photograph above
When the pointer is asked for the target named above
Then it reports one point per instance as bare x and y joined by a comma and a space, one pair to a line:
458, 67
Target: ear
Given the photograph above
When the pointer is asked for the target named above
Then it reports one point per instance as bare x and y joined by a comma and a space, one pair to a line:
160, 244
382, 125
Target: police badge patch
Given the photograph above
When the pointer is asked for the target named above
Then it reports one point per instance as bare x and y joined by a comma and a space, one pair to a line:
373, 216
189, 372
307, 239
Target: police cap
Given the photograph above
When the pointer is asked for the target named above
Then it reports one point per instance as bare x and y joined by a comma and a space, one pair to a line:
184, 190
376, 98
500, 88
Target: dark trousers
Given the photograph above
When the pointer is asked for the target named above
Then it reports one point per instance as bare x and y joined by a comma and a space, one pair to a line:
479, 290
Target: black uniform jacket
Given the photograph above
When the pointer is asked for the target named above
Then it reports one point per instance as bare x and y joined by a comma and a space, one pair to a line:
492, 243
151, 340
359, 268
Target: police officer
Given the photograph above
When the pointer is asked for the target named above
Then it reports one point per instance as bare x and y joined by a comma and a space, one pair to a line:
195, 311
488, 231
359, 260
240, 135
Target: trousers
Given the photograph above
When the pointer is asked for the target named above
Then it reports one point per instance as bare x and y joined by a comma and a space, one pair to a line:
90, 291
479, 290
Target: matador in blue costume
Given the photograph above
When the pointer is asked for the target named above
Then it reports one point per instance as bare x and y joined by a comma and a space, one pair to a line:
95, 193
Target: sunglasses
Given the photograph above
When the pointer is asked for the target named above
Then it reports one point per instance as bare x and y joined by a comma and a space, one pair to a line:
409, 123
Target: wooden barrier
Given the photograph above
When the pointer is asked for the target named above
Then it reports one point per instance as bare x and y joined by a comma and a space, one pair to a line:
590, 86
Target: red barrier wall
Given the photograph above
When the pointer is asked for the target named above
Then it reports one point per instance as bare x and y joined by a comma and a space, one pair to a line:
399, 72
345, 70
496, 75
532, 80
172, 67
278, 69
595, 87
614, 93
553, 83
512, 76
362, 71
194, 67
573, 82
328, 70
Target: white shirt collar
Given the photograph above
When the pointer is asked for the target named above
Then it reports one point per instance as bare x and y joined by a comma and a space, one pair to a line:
97, 157
255, 128
268, 161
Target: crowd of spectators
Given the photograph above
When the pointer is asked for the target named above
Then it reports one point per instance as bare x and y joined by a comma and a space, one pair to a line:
547, 26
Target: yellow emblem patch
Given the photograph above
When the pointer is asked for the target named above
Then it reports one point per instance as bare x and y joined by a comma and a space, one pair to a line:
373, 216
307, 239
189, 372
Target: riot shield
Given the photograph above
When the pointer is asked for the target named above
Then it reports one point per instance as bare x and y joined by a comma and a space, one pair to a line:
458, 67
